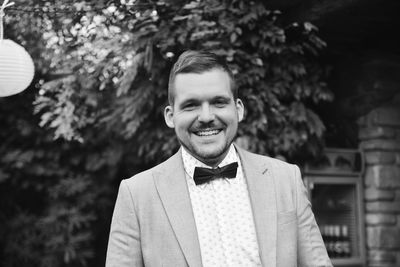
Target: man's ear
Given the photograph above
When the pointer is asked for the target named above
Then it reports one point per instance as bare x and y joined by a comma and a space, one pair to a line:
169, 116
240, 109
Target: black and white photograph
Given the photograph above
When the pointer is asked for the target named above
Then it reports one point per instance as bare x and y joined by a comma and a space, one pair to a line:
199, 133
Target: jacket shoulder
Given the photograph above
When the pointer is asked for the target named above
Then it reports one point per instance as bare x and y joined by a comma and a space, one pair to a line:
263, 159
284, 174
144, 180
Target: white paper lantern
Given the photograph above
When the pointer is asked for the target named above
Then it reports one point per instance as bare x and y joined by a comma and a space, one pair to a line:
16, 68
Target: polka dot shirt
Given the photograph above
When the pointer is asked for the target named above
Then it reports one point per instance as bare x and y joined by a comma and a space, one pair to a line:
223, 216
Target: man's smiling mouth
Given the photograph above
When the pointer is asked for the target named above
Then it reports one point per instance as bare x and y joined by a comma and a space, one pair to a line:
207, 132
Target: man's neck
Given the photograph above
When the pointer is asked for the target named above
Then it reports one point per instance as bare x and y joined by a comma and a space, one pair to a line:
210, 162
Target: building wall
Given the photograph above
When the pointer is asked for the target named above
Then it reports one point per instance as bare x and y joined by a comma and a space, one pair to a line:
379, 134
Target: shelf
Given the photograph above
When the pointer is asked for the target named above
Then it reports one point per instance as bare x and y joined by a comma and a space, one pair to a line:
330, 210
347, 262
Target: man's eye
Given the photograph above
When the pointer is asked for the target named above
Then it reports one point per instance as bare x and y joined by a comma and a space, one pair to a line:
189, 106
220, 103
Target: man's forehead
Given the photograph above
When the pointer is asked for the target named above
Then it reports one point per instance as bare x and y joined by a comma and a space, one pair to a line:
204, 78
204, 72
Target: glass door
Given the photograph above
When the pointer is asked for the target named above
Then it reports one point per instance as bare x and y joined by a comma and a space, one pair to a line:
336, 204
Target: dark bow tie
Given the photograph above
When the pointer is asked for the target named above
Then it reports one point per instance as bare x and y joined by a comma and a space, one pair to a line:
203, 175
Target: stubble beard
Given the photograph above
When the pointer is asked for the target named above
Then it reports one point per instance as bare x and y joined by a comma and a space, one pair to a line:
211, 158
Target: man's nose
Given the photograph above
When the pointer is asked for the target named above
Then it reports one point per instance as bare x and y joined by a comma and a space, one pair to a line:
206, 114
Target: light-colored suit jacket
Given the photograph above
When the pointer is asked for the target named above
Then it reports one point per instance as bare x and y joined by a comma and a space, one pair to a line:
153, 223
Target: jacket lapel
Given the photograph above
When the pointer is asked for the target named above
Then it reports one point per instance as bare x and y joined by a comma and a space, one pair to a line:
263, 201
172, 188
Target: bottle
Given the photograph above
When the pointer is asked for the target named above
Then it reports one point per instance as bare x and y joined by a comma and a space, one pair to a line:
333, 241
346, 242
338, 247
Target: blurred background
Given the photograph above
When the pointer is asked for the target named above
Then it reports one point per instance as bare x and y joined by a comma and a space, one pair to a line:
320, 81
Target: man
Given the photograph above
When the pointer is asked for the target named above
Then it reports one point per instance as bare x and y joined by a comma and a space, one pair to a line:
212, 203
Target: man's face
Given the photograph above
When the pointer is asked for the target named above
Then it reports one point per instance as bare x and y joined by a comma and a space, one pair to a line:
205, 115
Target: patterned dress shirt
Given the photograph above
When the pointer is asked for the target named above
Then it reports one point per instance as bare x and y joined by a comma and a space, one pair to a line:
223, 216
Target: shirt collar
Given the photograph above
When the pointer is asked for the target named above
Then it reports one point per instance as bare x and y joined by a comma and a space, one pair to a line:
190, 162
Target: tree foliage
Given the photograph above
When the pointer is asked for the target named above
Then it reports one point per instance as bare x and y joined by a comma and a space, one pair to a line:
120, 57
95, 112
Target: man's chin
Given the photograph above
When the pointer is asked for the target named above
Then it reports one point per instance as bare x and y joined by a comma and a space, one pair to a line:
207, 156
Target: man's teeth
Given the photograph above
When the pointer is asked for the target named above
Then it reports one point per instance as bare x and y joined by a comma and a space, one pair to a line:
208, 132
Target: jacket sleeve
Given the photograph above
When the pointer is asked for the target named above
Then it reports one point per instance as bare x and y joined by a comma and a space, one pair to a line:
124, 248
310, 246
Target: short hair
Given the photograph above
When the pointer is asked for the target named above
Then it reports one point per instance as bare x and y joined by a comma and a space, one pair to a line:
198, 62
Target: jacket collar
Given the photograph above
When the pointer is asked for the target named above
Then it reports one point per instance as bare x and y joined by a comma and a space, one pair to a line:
260, 183
172, 188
